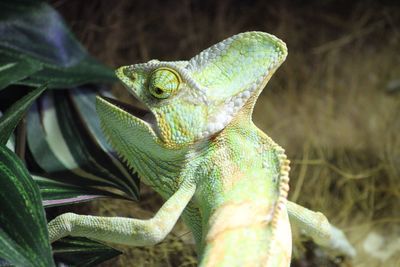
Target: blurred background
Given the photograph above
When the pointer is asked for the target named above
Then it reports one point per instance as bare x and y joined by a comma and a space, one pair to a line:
333, 105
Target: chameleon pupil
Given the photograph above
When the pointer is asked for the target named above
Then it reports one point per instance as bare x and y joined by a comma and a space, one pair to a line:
158, 90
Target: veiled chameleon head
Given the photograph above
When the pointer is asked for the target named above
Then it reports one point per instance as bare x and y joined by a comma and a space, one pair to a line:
195, 99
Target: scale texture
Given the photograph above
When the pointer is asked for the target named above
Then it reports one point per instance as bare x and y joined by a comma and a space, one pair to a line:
199, 149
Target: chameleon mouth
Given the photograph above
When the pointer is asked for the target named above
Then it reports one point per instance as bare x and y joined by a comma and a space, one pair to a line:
145, 116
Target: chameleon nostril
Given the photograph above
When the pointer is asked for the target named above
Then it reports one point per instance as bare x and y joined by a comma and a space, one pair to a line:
125, 71
129, 73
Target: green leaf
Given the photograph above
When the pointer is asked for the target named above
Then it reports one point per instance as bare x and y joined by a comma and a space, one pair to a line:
14, 114
55, 193
78, 251
13, 68
67, 145
24, 238
34, 33
88, 71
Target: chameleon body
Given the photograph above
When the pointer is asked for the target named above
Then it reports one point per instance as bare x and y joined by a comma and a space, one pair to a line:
199, 149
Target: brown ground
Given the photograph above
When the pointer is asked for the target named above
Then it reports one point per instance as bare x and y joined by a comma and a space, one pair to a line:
331, 105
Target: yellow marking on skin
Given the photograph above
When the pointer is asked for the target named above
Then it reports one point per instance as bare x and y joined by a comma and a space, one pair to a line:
230, 173
182, 129
231, 215
218, 251
280, 247
167, 132
163, 126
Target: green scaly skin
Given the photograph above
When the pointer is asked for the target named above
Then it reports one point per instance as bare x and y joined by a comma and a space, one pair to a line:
199, 149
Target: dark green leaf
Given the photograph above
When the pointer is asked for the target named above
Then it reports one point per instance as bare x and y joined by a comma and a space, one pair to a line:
13, 68
24, 238
36, 31
88, 71
55, 193
67, 146
78, 251
13, 115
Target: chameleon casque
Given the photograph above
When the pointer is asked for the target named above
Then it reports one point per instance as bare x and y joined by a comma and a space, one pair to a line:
199, 149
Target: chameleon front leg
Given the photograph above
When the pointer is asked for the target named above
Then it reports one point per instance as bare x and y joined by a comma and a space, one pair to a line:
317, 226
120, 230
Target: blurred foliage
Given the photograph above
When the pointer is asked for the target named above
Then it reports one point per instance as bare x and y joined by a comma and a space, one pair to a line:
37, 49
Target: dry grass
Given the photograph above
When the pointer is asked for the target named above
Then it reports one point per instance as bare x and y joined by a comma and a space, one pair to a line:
327, 105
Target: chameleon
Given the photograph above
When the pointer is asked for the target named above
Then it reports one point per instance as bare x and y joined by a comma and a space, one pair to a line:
197, 146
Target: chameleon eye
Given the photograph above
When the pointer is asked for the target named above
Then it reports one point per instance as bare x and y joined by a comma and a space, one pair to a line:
163, 82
